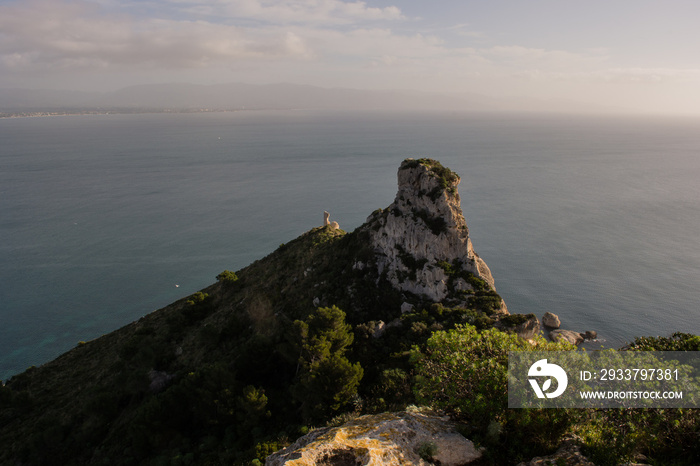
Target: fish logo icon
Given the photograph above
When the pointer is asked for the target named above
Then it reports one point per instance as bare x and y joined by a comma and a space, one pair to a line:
543, 369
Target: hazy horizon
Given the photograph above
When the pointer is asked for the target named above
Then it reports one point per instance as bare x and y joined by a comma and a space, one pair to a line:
628, 55
278, 96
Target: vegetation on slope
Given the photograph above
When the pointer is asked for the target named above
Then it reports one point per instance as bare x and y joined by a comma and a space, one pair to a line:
445, 176
232, 372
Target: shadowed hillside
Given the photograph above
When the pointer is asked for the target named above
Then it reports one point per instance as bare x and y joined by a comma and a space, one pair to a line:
219, 372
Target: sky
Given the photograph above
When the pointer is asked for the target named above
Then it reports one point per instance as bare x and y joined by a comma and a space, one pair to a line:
638, 55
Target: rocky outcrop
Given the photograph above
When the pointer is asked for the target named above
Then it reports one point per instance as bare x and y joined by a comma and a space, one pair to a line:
528, 329
575, 338
552, 323
327, 221
159, 380
569, 454
404, 438
551, 320
422, 238
525, 326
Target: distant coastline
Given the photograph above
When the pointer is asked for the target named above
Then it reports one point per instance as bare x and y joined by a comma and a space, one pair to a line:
35, 113
183, 97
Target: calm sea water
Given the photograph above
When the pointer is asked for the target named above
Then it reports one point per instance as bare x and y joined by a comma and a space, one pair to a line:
106, 218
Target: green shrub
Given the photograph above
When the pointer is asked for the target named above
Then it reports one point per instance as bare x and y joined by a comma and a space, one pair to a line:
464, 372
265, 449
447, 267
437, 225
445, 175
200, 305
665, 436
394, 388
227, 277
676, 342
488, 302
197, 298
427, 450
514, 320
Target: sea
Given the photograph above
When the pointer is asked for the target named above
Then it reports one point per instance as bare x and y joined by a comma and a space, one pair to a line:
106, 218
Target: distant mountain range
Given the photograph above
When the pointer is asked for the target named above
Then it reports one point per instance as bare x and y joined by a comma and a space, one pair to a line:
239, 96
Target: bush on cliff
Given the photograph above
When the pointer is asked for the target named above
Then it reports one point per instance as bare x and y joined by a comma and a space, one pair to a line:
227, 277
665, 436
464, 372
677, 342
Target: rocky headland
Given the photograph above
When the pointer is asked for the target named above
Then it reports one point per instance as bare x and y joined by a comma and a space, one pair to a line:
328, 330
422, 236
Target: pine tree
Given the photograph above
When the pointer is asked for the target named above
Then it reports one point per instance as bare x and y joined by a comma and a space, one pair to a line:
326, 380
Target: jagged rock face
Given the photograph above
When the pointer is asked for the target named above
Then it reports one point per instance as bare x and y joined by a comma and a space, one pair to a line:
423, 227
406, 438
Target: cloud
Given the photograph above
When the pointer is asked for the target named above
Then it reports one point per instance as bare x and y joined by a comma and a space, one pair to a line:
70, 35
88, 35
324, 42
309, 11
106, 44
526, 58
648, 75
79, 35
306, 12
616, 75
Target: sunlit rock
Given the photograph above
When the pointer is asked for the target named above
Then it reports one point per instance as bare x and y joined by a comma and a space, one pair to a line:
388, 439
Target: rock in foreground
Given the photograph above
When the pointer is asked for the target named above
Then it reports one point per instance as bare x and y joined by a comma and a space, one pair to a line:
405, 438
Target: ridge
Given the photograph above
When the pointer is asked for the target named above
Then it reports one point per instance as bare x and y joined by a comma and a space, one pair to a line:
221, 372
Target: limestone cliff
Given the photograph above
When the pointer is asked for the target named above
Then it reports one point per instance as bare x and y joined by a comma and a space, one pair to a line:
421, 240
